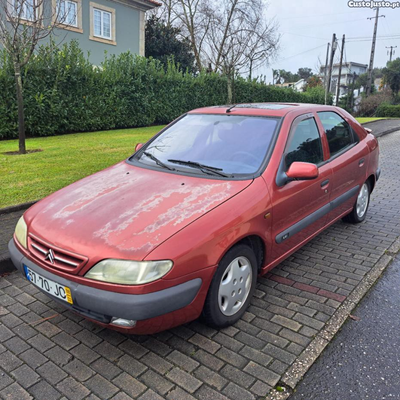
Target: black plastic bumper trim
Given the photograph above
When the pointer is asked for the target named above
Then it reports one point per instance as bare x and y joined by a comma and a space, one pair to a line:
101, 304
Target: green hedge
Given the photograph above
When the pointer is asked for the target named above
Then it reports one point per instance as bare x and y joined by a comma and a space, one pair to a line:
64, 92
388, 111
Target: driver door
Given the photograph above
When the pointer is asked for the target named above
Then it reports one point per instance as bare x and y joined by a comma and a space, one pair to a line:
300, 207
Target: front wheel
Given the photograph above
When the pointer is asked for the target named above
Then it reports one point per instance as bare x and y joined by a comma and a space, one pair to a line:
232, 287
359, 211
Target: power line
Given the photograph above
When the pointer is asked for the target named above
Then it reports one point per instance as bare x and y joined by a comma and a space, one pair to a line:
333, 23
378, 37
369, 39
322, 15
299, 54
307, 36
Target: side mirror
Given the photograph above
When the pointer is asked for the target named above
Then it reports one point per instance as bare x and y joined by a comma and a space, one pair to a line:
138, 146
302, 171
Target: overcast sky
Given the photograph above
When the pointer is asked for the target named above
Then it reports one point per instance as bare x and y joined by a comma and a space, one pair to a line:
306, 26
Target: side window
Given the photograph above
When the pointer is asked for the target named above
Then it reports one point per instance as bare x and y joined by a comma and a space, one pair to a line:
338, 131
304, 144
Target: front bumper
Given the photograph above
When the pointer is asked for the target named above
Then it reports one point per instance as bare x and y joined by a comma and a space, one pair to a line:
102, 305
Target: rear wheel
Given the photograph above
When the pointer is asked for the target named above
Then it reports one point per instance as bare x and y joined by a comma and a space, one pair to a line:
360, 208
232, 287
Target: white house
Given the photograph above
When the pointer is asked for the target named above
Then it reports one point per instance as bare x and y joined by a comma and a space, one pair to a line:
350, 70
297, 86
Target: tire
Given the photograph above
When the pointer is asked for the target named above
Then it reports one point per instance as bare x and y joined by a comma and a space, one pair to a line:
360, 208
231, 288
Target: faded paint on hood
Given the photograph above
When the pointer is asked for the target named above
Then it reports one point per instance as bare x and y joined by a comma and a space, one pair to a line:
125, 211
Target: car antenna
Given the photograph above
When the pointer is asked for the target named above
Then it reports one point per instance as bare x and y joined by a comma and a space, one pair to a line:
230, 108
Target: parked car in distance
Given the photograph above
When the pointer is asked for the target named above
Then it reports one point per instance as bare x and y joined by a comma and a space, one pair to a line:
183, 227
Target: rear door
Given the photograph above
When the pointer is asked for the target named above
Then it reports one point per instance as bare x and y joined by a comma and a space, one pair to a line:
300, 207
348, 160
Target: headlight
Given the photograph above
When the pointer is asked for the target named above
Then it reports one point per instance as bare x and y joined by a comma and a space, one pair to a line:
21, 231
129, 272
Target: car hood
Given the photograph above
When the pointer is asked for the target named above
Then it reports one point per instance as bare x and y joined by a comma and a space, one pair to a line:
125, 211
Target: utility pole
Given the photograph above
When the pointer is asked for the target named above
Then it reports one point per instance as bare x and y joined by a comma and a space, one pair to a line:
371, 60
333, 49
326, 64
340, 71
391, 51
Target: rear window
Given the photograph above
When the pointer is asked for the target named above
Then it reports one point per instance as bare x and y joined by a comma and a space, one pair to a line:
338, 131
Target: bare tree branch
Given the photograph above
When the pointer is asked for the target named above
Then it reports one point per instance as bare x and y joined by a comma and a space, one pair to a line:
23, 24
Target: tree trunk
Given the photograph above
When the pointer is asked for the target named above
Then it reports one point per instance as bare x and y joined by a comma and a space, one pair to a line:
20, 101
229, 80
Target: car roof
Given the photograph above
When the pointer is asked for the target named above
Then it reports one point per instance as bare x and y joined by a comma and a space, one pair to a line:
263, 109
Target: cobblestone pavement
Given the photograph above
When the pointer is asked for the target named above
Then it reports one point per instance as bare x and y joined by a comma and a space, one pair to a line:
361, 362
49, 353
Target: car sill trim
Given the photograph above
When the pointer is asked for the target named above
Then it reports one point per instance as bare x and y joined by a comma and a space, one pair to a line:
316, 215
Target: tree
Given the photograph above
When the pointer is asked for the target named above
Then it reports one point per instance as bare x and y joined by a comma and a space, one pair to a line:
314, 81
166, 12
23, 24
362, 80
304, 73
391, 75
288, 76
162, 42
377, 72
227, 36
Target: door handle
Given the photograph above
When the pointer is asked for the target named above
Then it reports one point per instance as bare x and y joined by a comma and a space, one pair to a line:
361, 162
325, 182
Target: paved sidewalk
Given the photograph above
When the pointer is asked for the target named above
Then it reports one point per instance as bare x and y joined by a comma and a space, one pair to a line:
49, 353
382, 127
363, 361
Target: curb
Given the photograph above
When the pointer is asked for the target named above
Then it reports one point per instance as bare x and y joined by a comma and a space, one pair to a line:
391, 130
303, 363
18, 207
387, 132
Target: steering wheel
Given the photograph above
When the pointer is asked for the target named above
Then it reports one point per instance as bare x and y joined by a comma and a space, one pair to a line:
246, 154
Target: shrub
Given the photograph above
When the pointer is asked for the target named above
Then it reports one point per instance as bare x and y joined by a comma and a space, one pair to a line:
64, 92
388, 111
369, 105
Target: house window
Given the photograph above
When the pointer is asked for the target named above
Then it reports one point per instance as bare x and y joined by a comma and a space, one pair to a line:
102, 23
68, 13
24, 9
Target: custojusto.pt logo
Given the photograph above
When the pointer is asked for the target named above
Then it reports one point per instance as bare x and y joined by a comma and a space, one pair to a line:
373, 4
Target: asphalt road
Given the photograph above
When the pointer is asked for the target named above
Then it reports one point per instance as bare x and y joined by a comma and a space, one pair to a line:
363, 361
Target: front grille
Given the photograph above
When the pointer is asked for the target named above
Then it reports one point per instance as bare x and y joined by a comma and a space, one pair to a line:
53, 256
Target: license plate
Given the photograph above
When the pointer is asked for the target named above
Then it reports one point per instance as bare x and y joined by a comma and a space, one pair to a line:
53, 288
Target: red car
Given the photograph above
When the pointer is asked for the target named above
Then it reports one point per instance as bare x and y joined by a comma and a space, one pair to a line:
183, 227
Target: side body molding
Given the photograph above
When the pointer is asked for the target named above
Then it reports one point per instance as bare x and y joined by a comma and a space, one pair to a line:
313, 217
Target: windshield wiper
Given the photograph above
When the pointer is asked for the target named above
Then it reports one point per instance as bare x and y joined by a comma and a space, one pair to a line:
204, 168
157, 161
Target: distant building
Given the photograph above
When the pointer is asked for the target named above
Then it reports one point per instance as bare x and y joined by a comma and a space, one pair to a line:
378, 84
112, 26
350, 71
297, 86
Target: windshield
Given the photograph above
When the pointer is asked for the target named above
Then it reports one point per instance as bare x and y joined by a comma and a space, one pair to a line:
219, 145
